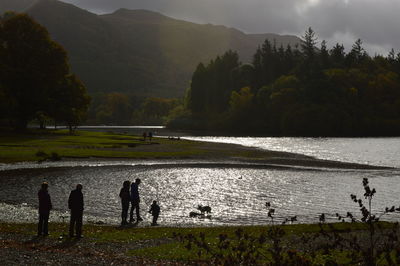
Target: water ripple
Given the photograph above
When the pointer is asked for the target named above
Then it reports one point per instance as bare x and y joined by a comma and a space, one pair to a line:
236, 195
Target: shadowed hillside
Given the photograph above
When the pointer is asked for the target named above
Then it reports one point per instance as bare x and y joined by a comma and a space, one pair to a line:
137, 51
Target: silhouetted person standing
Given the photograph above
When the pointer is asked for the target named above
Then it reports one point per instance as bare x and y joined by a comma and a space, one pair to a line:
155, 211
135, 200
44, 210
125, 200
150, 135
75, 204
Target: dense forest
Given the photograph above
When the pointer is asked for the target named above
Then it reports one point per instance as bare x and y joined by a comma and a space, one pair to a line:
116, 108
296, 91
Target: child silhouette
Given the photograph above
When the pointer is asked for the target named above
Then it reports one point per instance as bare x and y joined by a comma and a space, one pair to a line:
155, 211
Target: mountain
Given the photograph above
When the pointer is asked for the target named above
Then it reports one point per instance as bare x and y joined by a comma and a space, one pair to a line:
137, 51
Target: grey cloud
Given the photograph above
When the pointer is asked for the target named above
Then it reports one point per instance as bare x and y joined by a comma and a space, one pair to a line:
375, 22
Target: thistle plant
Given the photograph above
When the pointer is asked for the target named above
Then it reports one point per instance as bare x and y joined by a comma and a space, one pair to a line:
380, 242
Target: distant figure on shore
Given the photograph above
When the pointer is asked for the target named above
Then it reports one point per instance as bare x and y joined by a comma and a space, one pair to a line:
150, 135
135, 200
44, 210
125, 200
155, 211
75, 204
144, 136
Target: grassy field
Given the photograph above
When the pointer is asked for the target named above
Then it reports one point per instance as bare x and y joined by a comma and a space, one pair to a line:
24, 147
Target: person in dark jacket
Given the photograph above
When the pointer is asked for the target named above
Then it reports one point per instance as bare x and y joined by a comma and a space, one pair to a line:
44, 210
75, 204
155, 211
135, 200
125, 200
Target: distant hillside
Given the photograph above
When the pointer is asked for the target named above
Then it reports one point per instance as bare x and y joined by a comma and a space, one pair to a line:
137, 51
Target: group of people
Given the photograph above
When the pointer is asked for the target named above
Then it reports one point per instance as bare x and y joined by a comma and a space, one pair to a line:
75, 204
148, 135
129, 195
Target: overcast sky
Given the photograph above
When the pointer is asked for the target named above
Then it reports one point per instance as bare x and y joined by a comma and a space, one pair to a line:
375, 22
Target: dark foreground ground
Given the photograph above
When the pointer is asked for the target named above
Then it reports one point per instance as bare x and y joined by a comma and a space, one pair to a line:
20, 249
131, 245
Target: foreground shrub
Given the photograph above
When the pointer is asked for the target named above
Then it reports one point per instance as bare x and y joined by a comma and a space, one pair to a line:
368, 241
376, 245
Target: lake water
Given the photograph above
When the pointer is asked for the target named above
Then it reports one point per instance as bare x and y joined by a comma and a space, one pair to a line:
236, 194
374, 151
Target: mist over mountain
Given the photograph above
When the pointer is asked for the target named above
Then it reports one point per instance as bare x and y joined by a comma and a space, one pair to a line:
137, 51
16, 5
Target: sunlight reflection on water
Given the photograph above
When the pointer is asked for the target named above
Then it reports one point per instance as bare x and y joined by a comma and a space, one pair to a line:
375, 151
237, 196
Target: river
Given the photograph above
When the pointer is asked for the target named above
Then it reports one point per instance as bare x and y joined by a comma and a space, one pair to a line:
237, 195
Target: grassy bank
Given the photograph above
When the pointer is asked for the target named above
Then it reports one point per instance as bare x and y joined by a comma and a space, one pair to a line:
85, 144
38, 145
153, 244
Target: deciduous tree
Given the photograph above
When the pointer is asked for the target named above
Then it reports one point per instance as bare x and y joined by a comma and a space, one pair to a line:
31, 65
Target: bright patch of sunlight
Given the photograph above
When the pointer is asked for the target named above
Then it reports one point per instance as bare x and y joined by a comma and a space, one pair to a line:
303, 6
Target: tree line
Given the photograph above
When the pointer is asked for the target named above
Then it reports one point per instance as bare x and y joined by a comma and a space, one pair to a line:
303, 90
35, 79
116, 108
